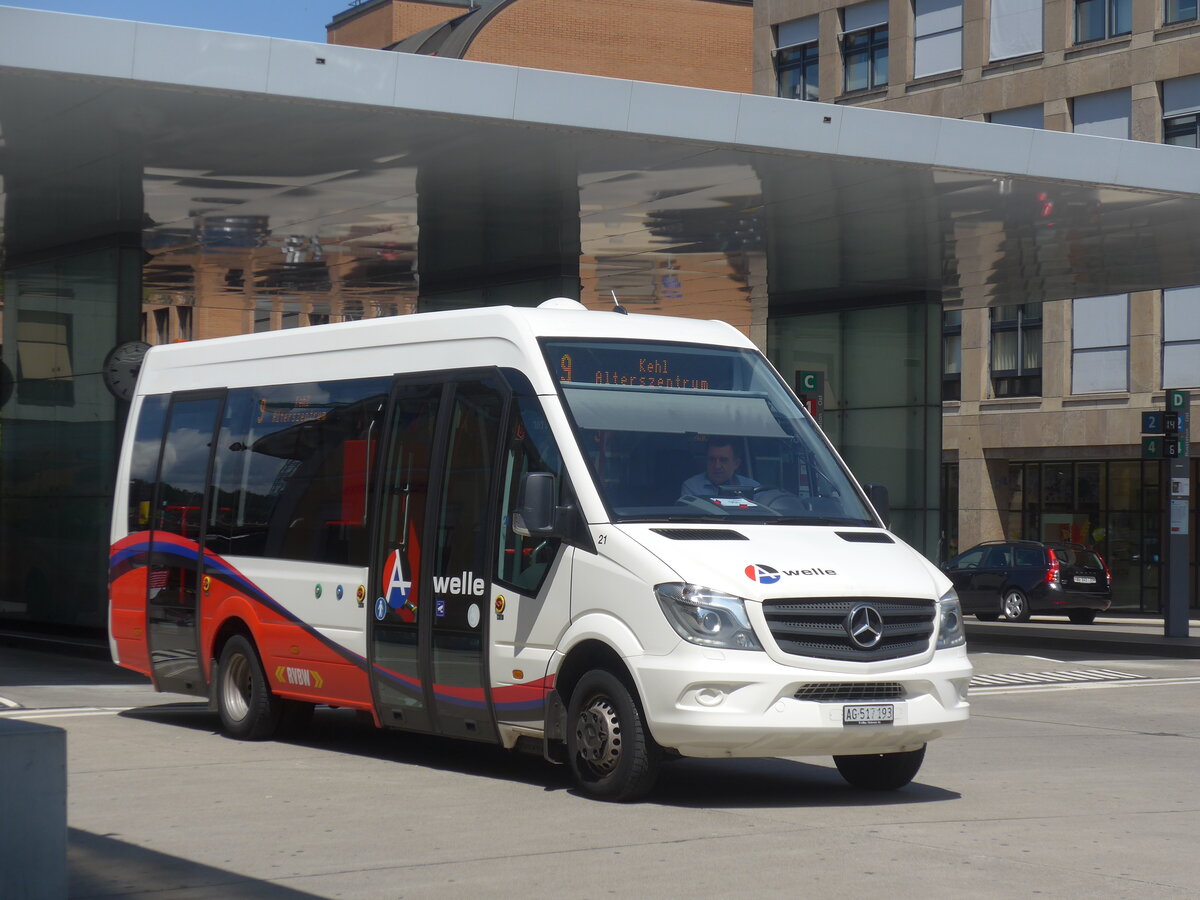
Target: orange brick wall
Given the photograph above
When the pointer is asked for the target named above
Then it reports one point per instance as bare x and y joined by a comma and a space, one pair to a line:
701, 43
692, 42
390, 22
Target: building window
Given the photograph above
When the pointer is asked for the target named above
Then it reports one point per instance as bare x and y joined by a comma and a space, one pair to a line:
865, 45
162, 325
1111, 506
952, 355
1181, 337
1015, 29
184, 316
1103, 115
937, 37
290, 316
45, 375
1017, 350
1181, 111
1179, 11
1021, 116
1096, 20
263, 307
1182, 131
1100, 344
948, 545
796, 59
319, 314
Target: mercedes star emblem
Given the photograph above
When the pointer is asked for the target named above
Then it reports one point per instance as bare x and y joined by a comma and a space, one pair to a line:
865, 626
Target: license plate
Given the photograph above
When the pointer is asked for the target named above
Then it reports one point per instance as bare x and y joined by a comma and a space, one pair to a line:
875, 714
1085, 579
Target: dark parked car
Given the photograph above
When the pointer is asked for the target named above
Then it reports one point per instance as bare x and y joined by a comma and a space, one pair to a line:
1017, 578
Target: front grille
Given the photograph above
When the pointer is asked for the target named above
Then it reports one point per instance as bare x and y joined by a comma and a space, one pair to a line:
817, 627
851, 692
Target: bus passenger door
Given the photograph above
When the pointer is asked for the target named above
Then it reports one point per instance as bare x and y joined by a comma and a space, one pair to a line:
172, 606
431, 567
397, 568
461, 563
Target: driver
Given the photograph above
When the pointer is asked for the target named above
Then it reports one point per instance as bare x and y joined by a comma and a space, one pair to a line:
720, 470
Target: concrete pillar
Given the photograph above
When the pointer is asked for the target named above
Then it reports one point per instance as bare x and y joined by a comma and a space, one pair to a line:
33, 811
982, 494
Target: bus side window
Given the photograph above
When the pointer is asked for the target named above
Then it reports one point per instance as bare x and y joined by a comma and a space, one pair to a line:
143, 469
294, 466
523, 562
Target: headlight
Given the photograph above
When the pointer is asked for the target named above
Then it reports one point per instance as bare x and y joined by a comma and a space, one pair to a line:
707, 617
950, 622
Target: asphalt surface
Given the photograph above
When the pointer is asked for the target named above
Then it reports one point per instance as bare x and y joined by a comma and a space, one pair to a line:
1075, 777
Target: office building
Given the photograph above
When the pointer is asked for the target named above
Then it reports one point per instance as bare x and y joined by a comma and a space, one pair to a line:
1042, 398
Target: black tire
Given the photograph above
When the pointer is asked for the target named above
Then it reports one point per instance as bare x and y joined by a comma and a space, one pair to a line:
1015, 606
248, 709
881, 771
609, 751
1081, 616
987, 617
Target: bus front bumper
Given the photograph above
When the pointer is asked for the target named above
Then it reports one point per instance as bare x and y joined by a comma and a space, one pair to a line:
745, 705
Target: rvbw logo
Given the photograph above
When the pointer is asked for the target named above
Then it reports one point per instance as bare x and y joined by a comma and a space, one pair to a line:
766, 575
397, 588
762, 574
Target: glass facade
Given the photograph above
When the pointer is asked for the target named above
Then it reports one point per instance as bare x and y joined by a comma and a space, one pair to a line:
58, 433
882, 400
1112, 506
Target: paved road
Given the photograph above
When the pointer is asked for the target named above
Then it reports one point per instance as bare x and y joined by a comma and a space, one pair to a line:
1076, 777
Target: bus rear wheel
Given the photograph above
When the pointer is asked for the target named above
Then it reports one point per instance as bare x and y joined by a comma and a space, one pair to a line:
610, 753
881, 771
248, 709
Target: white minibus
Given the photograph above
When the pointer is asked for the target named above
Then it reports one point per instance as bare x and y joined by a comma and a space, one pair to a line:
614, 539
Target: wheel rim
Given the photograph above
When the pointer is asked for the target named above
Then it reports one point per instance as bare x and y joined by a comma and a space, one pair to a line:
235, 690
1014, 605
598, 736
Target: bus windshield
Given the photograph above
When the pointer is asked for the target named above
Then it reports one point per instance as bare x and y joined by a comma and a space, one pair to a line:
679, 432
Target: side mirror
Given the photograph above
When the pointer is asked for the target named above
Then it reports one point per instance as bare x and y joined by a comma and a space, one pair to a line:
536, 514
878, 495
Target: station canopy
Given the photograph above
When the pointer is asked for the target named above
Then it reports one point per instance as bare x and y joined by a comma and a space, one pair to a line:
386, 173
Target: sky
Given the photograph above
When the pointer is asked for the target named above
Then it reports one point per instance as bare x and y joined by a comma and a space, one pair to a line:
300, 20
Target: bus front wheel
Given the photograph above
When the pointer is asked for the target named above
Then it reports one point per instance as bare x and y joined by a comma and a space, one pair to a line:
611, 754
248, 709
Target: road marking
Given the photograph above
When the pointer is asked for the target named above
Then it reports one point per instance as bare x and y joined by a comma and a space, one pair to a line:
10, 704
1070, 676
65, 712
1137, 681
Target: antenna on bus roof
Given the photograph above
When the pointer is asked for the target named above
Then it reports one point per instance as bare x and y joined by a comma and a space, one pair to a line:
617, 307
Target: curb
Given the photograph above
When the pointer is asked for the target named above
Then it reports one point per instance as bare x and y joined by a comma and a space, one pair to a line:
49, 643
1025, 637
